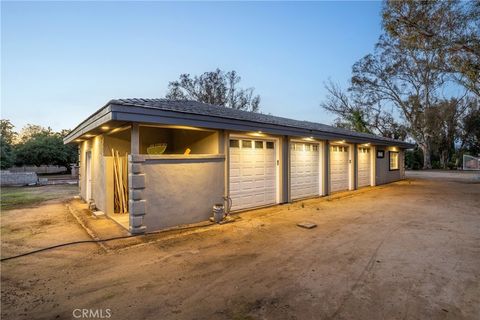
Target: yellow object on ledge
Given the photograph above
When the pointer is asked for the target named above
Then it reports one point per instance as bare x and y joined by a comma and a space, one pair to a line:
187, 151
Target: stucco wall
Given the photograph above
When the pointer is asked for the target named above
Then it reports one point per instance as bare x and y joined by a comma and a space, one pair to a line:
178, 140
152, 135
200, 142
181, 191
382, 173
95, 145
120, 145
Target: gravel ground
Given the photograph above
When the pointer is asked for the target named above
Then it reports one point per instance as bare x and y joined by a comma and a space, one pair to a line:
408, 250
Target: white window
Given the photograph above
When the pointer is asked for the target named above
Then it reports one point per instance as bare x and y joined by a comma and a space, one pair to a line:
234, 143
393, 160
246, 144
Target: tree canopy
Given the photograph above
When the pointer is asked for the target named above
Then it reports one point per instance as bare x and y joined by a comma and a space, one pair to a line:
427, 49
450, 27
35, 145
7, 138
214, 87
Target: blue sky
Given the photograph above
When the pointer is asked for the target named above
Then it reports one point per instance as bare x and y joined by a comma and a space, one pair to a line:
61, 61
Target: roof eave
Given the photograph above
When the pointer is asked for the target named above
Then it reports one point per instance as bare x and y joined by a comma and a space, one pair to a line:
100, 117
149, 115
137, 113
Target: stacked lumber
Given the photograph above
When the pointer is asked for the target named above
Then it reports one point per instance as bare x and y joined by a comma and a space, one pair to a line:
120, 179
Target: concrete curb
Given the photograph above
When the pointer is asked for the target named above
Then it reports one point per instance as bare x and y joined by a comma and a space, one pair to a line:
84, 226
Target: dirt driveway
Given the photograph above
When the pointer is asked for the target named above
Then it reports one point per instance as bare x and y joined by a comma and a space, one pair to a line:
409, 250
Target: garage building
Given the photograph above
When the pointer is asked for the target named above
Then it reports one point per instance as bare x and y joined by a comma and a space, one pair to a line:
166, 163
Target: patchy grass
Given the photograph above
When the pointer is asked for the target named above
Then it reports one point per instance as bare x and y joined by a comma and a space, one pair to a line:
20, 197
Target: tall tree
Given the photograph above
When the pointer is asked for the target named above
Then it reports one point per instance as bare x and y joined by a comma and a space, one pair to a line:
353, 114
443, 121
6, 131
7, 138
41, 146
403, 76
350, 115
427, 49
215, 87
7, 155
469, 129
46, 150
32, 130
452, 27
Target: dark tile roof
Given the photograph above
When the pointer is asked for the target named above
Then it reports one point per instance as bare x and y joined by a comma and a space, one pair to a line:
205, 109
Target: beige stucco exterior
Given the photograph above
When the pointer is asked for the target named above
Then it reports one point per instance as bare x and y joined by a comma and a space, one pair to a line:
174, 189
164, 200
99, 184
180, 190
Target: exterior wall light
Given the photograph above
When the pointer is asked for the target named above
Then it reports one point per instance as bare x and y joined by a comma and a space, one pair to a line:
257, 134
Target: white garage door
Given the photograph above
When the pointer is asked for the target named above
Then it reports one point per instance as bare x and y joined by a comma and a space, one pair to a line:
304, 170
252, 173
364, 167
338, 168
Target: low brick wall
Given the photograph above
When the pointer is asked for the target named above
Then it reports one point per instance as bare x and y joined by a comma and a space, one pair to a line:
42, 169
8, 178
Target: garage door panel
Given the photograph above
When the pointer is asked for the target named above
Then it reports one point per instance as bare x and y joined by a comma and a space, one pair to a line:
254, 182
364, 166
234, 172
304, 164
259, 171
339, 168
270, 172
270, 158
270, 194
